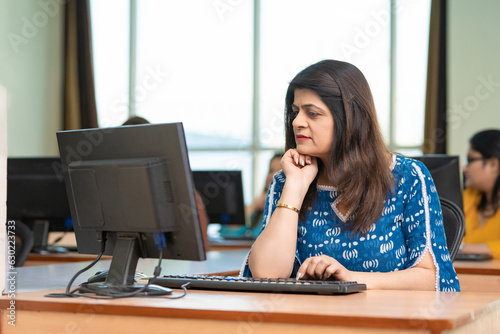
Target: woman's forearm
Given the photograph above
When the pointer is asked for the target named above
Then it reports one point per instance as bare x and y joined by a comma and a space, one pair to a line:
420, 277
273, 253
409, 279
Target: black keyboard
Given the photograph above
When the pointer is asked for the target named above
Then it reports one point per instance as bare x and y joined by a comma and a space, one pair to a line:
247, 284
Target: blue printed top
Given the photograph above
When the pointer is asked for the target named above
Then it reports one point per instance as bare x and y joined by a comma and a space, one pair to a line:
411, 224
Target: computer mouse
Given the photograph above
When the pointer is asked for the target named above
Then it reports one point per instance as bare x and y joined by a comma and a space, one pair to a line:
99, 276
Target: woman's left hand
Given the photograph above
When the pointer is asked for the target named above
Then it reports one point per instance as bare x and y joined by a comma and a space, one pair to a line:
323, 267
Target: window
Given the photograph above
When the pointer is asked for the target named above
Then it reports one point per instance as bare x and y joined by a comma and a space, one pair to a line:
410, 74
295, 34
222, 68
111, 60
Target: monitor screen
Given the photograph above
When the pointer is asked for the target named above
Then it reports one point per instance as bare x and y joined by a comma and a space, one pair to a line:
222, 195
36, 196
445, 171
131, 186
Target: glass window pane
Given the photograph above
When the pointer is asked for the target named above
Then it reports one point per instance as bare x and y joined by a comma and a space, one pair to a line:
412, 43
111, 22
194, 65
410, 152
295, 34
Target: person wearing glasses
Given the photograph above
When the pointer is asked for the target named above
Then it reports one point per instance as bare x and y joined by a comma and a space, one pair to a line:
343, 207
482, 194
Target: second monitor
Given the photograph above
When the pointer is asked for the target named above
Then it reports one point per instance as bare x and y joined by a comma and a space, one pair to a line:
222, 195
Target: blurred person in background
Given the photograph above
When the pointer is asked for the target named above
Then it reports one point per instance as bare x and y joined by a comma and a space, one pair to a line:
482, 194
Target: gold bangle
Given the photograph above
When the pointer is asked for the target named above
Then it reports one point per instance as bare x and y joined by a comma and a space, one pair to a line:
283, 205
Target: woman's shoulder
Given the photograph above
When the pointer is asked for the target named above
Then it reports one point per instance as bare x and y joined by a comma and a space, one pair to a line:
404, 166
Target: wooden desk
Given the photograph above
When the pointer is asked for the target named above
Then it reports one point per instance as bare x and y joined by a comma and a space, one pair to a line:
58, 258
230, 245
229, 312
479, 283
478, 276
488, 267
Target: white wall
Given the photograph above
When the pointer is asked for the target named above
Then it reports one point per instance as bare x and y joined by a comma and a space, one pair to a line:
3, 186
30, 69
473, 70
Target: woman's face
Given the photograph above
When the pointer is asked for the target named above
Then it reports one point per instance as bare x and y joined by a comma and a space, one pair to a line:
313, 124
480, 173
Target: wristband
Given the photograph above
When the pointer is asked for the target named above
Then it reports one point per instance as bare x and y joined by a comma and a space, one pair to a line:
283, 205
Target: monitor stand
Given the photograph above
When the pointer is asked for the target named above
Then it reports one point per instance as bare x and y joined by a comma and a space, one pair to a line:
41, 237
120, 279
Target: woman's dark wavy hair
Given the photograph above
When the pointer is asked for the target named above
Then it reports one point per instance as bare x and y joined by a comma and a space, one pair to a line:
358, 164
487, 143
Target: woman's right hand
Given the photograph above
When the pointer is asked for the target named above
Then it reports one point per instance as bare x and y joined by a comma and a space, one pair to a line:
281, 229
299, 167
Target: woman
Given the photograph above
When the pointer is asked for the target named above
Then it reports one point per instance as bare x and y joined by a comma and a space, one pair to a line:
482, 194
343, 207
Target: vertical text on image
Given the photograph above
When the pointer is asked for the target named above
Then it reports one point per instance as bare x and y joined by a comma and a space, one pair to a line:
11, 274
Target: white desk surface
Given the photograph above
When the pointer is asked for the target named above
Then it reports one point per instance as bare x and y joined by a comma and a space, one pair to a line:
57, 276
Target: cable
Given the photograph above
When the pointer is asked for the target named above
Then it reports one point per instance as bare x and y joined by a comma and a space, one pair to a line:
68, 293
102, 239
112, 293
184, 287
58, 239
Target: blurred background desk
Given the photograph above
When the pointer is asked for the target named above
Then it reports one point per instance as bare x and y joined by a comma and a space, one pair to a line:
487, 267
67, 239
479, 276
226, 245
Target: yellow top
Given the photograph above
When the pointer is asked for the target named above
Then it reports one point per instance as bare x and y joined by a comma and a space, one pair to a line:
489, 233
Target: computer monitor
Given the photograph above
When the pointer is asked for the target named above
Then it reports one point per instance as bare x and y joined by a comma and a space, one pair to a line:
445, 171
131, 185
36, 196
222, 194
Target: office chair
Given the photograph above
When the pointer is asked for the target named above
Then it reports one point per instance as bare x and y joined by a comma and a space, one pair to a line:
23, 243
454, 225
